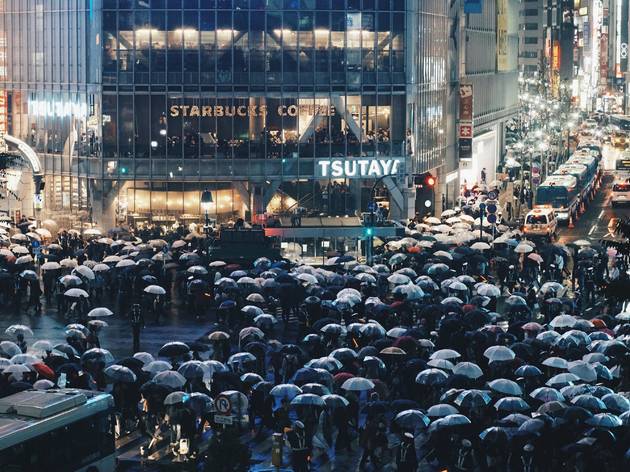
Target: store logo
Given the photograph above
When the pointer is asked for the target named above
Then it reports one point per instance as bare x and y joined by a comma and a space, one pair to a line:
252, 110
357, 168
57, 108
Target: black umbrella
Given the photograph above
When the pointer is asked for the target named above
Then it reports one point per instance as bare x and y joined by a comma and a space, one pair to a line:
174, 349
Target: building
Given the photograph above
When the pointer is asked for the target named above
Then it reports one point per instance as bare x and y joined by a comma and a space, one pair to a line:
531, 39
488, 70
563, 45
133, 107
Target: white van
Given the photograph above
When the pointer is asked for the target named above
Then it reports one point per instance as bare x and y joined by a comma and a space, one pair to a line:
541, 222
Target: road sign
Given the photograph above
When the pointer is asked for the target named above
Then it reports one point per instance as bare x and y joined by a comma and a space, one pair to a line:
536, 179
491, 208
493, 195
482, 206
372, 206
223, 405
223, 419
492, 218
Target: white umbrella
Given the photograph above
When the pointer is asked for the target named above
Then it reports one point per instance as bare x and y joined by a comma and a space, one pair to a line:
480, 246
68, 263
125, 263
100, 312
85, 272
101, 268
18, 329
523, 248
52, 265
357, 384
76, 293
155, 290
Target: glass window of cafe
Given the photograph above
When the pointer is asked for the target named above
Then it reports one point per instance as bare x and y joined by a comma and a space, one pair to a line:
254, 127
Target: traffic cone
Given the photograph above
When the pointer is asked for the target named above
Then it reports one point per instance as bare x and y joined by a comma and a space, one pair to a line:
571, 225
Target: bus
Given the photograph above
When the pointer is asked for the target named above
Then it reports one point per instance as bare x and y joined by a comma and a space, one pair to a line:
620, 192
621, 122
622, 164
59, 429
585, 180
559, 192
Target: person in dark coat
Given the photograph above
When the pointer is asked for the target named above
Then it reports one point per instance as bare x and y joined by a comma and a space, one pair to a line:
406, 459
298, 443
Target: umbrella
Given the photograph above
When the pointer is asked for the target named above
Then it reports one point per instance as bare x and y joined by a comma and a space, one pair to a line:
85, 272
441, 410
449, 421
155, 290
119, 373
472, 398
432, 377
307, 399
411, 419
488, 290
335, 401
25, 359
174, 349
547, 394
511, 404
445, 354
76, 293
97, 354
288, 391
70, 281
468, 369
556, 362
143, 357
604, 420
505, 386
101, 312
358, 384
616, 402
194, 370
51, 266
200, 403
563, 321
155, 367
523, 248
316, 389
9, 348
19, 329
42, 345
175, 398
170, 378
499, 353
583, 370
562, 380
43, 384
589, 402
218, 336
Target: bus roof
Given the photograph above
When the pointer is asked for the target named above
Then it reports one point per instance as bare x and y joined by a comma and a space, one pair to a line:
568, 181
571, 169
29, 414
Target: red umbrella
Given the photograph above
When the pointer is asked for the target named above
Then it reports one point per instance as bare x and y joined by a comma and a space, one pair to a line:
44, 371
532, 326
341, 377
414, 250
599, 323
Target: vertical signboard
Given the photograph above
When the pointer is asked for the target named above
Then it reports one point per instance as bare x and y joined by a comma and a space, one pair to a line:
502, 36
465, 128
622, 38
4, 113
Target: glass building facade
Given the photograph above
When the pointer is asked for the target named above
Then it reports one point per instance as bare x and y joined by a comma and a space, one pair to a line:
136, 106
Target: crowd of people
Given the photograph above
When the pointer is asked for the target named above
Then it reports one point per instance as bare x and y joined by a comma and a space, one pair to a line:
456, 350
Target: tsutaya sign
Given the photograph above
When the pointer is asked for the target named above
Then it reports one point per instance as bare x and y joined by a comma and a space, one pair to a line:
357, 168
57, 108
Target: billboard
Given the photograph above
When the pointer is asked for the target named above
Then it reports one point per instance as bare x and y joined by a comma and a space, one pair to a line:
473, 6
465, 128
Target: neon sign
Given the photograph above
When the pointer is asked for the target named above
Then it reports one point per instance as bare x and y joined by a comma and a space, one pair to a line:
357, 168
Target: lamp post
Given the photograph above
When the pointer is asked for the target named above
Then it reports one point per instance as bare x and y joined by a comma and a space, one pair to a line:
206, 201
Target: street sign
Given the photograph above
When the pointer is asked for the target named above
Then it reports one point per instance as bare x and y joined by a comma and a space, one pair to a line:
492, 218
223, 419
482, 206
493, 195
372, 206
465, 131
491, 208
223, 405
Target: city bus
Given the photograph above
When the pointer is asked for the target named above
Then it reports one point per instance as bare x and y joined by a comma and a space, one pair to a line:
54, 430
621, 122
585, 180
620, 192
559, 192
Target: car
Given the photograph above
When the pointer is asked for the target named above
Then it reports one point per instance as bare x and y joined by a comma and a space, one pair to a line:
620, 193
541, 222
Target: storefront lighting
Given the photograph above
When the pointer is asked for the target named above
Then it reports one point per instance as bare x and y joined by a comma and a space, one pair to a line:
163, 132
154, 144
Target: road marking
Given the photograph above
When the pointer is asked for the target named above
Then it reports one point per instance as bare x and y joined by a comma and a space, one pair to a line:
593, 228
601, 214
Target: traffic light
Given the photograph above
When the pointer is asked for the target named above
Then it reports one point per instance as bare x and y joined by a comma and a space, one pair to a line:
425, 180
369, 231
425, 193
123, 170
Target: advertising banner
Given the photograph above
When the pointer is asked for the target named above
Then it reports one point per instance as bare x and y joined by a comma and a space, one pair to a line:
502, 36
4, 113
465, 128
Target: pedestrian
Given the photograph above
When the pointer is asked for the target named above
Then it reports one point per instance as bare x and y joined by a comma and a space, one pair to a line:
137, 323
406, 458
483, 176
298, 443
